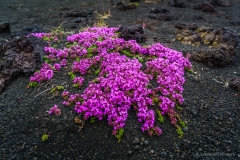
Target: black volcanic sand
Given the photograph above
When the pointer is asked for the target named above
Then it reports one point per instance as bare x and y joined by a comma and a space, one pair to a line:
211, 109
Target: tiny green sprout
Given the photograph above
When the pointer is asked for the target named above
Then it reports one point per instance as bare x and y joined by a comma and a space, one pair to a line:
93, 119
160, 116
119, 134
140, 58
32, 84
60, 88
46, 38
180, 132
127, 53
52, 90
45, 137
97, 71
190, 70
89, 55
72, 75
90, 49
46, 59
183, 124
178, 107
155, 100
78, 59
100, 39
95, 80
75, 85
135, 4
68, 44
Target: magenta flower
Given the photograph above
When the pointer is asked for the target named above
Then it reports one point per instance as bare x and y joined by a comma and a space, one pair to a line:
55, 110
57, 66
48, 74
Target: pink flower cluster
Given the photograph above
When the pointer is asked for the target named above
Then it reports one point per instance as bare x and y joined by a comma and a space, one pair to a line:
78, 81
40, 35
121, 83
48, 36
45, 73
55, 110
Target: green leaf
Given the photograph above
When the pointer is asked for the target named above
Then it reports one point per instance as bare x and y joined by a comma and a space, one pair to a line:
47, 60
178, 107
93, 119
33, 84
189, 70
183, 124
89, 55
180, 132
60, 88
75, 85
46, 38
127, 52
160, 116
73, 76
45, 137
97, 71
119, 134
52, 90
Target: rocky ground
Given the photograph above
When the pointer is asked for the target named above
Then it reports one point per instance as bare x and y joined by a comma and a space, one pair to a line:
208, 30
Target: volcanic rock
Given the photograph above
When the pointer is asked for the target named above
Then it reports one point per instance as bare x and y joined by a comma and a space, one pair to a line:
22, 56
4, 27
25, 31
204, 6
234, 83
215, 57
132, 33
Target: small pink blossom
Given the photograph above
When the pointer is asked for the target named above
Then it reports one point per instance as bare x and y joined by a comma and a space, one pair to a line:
49, 74
55, 110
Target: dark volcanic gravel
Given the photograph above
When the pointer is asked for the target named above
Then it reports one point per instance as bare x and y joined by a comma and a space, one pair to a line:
211, 108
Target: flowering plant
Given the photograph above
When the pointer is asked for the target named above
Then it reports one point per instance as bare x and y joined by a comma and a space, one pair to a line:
121, 83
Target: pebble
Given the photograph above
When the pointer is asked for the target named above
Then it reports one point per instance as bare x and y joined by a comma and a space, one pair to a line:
4, 27
194, 112
135, 141
136, 147
129, 152
183, 155
141, 143
146, 142
185, 129
164, 154
152, 151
